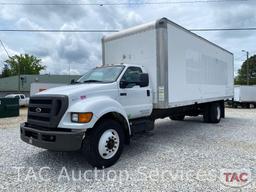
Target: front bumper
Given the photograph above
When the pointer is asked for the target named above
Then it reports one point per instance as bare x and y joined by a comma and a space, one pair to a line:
52, 140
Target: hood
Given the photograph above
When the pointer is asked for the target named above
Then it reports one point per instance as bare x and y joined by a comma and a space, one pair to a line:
77, 89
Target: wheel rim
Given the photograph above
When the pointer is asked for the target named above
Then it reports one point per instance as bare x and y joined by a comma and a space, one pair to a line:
108, 144
218, 112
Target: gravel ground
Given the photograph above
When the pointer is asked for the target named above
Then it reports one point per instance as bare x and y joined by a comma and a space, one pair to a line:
176, 156
12, 122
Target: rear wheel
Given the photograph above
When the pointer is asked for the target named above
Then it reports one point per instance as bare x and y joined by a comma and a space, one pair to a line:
215, 113
177, 117
212, 113
103, 144
206, 115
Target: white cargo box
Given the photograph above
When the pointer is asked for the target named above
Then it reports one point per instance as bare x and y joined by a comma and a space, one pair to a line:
245, 94
184, 68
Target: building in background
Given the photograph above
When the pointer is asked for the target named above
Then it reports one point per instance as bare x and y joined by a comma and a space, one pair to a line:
10, 85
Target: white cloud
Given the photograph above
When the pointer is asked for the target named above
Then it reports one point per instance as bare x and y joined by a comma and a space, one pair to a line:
4, 56
82, 51
70, 72
8, 13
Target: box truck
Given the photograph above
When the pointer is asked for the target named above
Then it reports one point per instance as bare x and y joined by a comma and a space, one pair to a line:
244, 96
151, 71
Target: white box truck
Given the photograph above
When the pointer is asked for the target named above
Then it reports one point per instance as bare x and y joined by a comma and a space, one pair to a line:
151, 71
245, 96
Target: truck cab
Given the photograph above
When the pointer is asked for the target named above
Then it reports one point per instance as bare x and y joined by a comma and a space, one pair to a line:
108, 97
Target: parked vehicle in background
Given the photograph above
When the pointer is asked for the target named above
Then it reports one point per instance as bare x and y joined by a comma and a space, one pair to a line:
244, 96
23, 100
151, 71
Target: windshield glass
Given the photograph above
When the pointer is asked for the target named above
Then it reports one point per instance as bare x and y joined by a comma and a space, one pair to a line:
102, 74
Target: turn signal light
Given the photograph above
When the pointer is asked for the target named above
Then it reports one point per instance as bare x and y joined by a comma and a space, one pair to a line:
81, 117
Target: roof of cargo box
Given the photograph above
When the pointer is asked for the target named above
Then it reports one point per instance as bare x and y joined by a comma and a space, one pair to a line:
150, 26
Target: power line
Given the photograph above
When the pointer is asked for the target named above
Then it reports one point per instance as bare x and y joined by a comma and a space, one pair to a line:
115, 30
121, 3
4, 48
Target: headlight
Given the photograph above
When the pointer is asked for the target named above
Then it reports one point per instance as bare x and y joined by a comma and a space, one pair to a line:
81, 117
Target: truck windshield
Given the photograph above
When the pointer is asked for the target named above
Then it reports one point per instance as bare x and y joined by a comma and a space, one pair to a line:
102, 74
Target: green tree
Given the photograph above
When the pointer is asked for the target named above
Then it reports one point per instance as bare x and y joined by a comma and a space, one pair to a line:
241, 78
24, 64
6, 72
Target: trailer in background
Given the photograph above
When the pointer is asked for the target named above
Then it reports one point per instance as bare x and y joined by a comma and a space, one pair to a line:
39, 87
244, 96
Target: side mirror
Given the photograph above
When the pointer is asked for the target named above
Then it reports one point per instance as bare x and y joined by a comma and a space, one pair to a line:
144, 79
72, 81
123, 84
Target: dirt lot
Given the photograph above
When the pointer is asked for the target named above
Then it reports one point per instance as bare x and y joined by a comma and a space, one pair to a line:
177, 156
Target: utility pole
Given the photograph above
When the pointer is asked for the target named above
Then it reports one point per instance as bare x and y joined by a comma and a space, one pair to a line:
69, 68
247, 66
19, 77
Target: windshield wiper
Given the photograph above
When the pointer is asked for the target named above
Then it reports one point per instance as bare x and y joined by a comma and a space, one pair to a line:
91, 81
73, 81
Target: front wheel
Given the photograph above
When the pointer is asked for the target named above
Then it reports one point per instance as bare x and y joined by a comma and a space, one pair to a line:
103, 144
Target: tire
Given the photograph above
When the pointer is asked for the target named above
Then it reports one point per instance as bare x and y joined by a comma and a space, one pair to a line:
177, 117
215, 113
103, 144
206, 115
246, 105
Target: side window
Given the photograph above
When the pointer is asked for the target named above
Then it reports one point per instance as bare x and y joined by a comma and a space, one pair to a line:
131, 76
17, 96
22, 96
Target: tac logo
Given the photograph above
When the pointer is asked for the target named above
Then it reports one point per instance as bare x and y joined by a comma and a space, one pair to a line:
235, 177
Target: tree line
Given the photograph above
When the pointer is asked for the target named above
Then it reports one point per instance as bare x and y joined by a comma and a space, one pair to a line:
241, 78
22, 64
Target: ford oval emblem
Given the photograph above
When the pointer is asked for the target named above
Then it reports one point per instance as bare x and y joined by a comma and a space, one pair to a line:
38, 110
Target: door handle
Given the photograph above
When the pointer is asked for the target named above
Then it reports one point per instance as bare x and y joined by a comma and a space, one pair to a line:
148, 93
123, 94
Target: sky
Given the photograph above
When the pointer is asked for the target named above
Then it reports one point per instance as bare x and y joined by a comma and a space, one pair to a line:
80, 52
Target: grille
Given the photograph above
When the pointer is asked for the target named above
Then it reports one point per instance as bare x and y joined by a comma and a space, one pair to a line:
47, 110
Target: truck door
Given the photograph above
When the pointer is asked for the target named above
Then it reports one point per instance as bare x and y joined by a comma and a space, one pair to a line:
136, 100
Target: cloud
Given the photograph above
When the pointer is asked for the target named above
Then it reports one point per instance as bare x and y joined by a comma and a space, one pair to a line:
82, 51
7, 13
71, 72
239, 15
49, 15
4, 56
